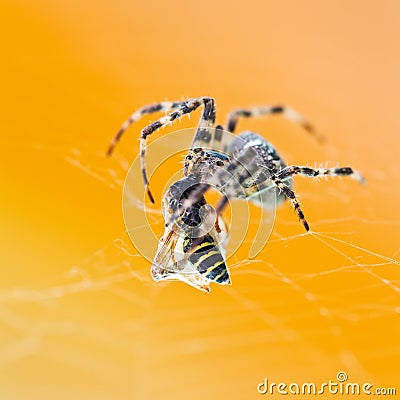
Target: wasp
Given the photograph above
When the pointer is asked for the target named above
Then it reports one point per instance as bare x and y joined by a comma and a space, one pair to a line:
193, 249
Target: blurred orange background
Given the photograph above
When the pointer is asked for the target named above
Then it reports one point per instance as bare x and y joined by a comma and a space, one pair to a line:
80, 317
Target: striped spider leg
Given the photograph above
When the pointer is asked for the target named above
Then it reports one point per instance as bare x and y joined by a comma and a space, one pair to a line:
181, 108
207, 120
164, 106
284, 110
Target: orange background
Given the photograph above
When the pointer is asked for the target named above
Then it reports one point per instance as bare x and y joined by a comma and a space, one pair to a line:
80, 318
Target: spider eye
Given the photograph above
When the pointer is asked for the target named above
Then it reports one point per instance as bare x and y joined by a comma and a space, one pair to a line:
220, 163
189, 157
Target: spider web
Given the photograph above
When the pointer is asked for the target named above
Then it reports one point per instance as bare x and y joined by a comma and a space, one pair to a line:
274, 309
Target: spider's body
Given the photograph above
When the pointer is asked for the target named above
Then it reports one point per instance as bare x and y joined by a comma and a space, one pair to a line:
244, 166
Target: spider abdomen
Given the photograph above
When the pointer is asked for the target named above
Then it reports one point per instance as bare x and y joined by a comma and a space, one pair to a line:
259, 161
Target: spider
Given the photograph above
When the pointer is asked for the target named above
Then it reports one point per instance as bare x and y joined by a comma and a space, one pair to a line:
244, 166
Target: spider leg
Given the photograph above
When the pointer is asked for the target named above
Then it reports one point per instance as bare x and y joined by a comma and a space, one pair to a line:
164, 106
205, 134
320, 172
287, 172
202, 134
289, 193
287, 112
277, 180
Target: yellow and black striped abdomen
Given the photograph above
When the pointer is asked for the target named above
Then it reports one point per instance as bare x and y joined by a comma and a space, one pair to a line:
206, 257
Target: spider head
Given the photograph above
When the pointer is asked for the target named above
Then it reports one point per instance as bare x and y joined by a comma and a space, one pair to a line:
191, 159
204, 162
